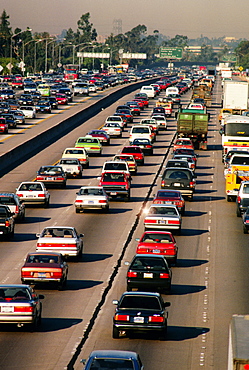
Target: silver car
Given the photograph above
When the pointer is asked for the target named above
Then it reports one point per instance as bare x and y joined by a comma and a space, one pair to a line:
91, 197
33, 193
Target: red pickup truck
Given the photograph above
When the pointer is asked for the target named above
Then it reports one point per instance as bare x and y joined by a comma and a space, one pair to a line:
116, 184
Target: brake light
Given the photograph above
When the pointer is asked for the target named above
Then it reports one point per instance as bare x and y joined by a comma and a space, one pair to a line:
238, 199
59, 178
157, 201
19, 195
56, 274
17, 209
121, 317
192, 184
41, 195
23, 309
174, 222
79, 168
170, 252
164, 276
79, 201
156, 319
150, 221
7, 223
131, 274
162, 183
26, 273
247, 221
142, 250
102, 201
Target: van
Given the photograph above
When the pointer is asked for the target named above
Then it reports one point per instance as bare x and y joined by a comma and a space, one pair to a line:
149, 90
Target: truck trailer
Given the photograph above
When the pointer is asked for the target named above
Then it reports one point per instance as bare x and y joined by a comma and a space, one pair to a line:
238, 346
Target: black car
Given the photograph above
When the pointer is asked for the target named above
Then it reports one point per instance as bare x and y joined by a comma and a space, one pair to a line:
181, 179
148, 272
245, 220
140, 311
144, 144
7, 223
43, 106
26, 99
52, 101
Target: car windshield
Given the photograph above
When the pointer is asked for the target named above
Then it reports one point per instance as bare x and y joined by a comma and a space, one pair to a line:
31, 187
140, 130
115, 166
140, 302
115, 364
150, 263
87, 140
246, 189
170, 211
113, 177
91, 191
114, 119
14, 294
42, 259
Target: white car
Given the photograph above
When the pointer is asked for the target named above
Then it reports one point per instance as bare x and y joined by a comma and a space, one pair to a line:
71, 166
140, 132
78, 153
28, 111
161, 120
92, 87
149, 90
163, 217
113, 129
91, 197
116, 119
33, 193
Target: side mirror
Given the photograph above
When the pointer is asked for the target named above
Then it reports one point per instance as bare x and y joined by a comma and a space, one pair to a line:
137, 239
38, 235
115, 301
41, 296
82, 235
127, 263
167, 304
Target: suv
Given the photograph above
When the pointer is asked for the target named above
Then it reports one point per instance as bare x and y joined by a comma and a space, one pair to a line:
17, 208
181, 179
116, 184
7, 223
140, 311
242, 200
116, 166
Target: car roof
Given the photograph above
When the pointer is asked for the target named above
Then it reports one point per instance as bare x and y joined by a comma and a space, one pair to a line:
113, 354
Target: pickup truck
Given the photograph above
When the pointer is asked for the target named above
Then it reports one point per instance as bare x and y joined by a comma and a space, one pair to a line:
61, 239
116, 184
71, 167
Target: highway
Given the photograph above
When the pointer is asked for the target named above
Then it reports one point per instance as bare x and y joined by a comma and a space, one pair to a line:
209, 284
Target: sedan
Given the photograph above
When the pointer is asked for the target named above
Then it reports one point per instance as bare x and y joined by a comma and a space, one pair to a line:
90, 144
113, 359
33, 193
61, 99
136, 151
144, 144
169, 197
113, 129
149, 272
158, 243
140, 311
45, 267
132, 164
52, 175
20, 305
101, 135
163, 217
183, 143
91, 197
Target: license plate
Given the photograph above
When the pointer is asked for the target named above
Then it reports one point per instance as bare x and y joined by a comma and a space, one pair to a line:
113, 193
138, 320
90, 202
156, 251
41, 274
7, 309
148, 275
30, 196
50, 178
161, 222
68, 170
177, 184
168, 203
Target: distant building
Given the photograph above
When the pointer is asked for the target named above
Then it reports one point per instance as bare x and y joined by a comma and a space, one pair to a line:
229, 39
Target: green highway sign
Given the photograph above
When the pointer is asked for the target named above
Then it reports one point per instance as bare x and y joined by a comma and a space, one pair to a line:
232, 58
170, 52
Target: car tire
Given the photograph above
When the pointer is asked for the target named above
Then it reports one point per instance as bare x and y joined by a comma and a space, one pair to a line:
245, 230
106, 209
87, 165
80, 175
115, 333
163, 333
46, 204
183, 211
238, 213
77, 210
179, 231
128, 196
62, 284
190, 197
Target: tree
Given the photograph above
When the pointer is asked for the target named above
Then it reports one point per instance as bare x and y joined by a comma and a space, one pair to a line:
86, 32
5, 35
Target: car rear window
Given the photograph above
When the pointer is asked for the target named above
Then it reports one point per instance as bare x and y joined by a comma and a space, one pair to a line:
117, 364
177, 174
113, 177
141, 263
141, 302
7, 200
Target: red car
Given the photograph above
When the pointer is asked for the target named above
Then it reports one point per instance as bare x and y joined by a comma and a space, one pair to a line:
143, 97
170, 197
103, 137
158, 242
3, 126
183, 143
45, 267
140, 103
136, 151
116, 184
61, 98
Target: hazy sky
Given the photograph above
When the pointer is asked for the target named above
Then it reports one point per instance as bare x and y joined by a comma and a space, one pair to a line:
212, 18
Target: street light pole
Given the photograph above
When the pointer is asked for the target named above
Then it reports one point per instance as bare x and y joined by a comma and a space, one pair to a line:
11, 40
46, 52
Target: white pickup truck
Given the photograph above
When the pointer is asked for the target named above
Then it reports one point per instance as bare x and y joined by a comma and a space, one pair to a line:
71, 166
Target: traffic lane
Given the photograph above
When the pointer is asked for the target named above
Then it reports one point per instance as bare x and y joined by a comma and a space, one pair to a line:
54, 313
186, 327
91, 223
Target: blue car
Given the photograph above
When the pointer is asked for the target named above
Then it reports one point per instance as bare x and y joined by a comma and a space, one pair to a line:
113, 359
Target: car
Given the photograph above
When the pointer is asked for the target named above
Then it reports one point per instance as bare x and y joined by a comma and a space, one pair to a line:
4, 127
61, 99
158, 110
71, 166
132, 164
161, 121
52, 175
181, 179
116, 119
43, 106
242, 199
177, 163
158, 243
77, 153
10, 119
52, 101
91, 197
67, 91
154, 125
28, 111
113, 129
135, 109
169, 197
143, 97
186, 151
30, 192
15, 205
20, 305
122, 115
60, 239
7, 222
163, 217
245, 220
117, 166
140, 131
44, 267
91, 145
149, 91
116, 184
149, 273
142, 312
189, 159
18, 116
183, 143
101, 135
127, 112
144, 144
26, 99
136, 151
113, 359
